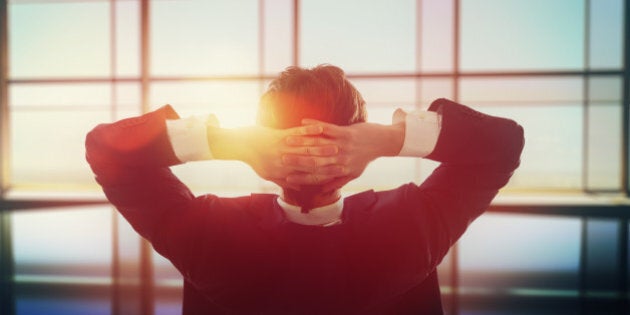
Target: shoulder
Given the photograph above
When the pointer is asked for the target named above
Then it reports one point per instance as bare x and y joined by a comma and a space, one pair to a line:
254, 209
379, 205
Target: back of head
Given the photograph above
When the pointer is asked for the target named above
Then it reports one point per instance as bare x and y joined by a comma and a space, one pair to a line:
321, 93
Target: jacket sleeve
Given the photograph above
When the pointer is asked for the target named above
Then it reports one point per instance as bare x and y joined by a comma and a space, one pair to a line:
478, 155
131, 160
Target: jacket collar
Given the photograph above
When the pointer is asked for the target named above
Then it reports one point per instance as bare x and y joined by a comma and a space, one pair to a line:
271, 215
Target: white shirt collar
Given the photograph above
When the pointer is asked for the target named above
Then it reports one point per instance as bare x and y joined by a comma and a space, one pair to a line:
328, 215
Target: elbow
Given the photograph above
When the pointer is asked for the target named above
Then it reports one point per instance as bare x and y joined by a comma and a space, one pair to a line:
90, 140
515, 143
95, 153
91, 145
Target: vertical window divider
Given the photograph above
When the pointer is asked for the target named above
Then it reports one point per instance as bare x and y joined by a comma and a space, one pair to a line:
147, 281
418, 76
296, 32
4, 98
7, 296
261, 45
585, 97
115, 259
456, 76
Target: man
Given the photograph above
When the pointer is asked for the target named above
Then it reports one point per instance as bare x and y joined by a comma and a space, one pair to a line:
308, 251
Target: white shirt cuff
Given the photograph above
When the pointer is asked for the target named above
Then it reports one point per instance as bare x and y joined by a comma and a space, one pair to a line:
189, 138
422, 129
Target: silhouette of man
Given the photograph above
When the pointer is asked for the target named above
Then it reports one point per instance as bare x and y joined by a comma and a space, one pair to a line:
309, 250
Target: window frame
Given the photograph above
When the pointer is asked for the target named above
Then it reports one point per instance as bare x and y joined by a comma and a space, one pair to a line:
620, 212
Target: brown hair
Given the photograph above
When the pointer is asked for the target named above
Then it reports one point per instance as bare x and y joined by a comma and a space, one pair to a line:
321, 93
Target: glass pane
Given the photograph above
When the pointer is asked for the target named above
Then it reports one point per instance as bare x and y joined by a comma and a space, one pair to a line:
552, 157
391, 93
521, 35
445, 279
48, 148
432, 89
436, 27
500, 258
604, 89
59, 39
65, 245
604, 147
606, 34
167, 303
278, 35
165, 273
385, 173
198, 37
502, 91
602, 264
378, 37
54, 303
551, 113
234, 103
128, 95
128, 292
59, 95
604, 133
505, 242
62, 260
168, 287
128, 251
127, 38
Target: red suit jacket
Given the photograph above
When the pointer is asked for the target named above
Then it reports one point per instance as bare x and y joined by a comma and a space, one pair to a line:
241, 256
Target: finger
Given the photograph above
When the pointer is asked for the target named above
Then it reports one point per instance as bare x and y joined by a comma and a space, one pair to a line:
308, 163
306, 130
328, 129
308, 140
313, 151
332, 170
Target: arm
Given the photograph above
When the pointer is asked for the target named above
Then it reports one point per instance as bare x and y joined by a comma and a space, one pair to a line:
478, 154
131, 160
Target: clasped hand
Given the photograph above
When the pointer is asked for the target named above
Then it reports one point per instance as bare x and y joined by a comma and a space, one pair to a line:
319, 153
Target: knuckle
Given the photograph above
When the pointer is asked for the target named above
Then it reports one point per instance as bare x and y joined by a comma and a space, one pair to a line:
342, 170
330, 150
343, 160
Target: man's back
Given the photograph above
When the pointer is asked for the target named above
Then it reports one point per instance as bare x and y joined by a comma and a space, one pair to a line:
242, 255
343, 269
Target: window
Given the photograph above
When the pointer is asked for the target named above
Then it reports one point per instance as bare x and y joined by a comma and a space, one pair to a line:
557, 67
